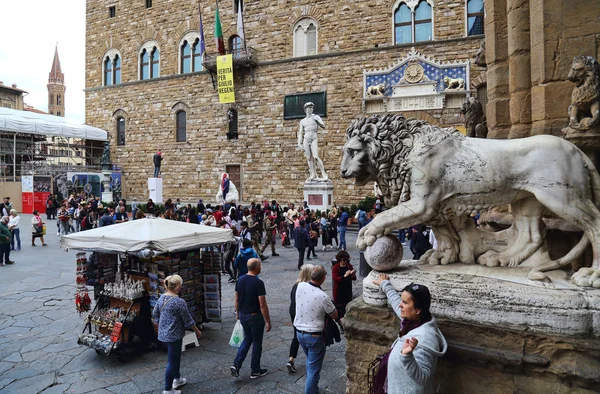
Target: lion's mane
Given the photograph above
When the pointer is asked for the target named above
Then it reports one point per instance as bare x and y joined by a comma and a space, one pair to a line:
589, 91
389, 141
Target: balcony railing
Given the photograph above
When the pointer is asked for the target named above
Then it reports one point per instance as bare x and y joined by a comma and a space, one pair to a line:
243, 59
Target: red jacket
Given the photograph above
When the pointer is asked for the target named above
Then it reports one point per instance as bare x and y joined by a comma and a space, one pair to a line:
337, 279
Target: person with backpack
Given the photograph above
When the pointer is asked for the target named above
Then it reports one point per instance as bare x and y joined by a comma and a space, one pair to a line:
241, 261
313, 237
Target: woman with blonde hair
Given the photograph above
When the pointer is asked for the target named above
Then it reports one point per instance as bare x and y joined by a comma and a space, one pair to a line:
173, 318
303, 276
13, 225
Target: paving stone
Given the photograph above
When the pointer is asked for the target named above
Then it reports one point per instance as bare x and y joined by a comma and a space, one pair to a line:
14, 358
5, 382
50, 363
30, 385
21, 371
57, 389
5, 366
125, 388
31, 346
88, 385
59, 347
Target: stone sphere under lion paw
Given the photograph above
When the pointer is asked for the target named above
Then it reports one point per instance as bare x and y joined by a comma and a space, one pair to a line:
385, 254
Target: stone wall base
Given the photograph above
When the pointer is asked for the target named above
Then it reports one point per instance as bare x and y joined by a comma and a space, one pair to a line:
480, 359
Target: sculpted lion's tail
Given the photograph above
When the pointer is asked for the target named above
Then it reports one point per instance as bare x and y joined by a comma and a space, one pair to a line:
584, 241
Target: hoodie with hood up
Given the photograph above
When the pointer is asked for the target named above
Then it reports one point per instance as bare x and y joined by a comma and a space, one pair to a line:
241, 261
414, 372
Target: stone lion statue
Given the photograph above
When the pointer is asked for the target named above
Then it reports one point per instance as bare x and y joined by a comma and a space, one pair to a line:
480, 55
475, 120
437, 176
584, 111
454, 83
376, 90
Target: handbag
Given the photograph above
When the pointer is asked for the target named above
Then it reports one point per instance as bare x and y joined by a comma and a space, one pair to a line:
44, 229
314, 234
237, 336
377, 374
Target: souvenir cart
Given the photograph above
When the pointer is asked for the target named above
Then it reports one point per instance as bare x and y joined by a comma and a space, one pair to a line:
127, 267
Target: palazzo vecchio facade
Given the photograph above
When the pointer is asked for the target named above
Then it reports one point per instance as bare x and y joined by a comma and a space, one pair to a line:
147, 85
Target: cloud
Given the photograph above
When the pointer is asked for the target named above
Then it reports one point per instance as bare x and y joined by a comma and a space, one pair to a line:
30, 31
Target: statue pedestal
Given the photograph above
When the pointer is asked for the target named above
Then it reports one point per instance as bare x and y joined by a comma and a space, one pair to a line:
318, 194
505, 334
588, 141
107, 195
155, 189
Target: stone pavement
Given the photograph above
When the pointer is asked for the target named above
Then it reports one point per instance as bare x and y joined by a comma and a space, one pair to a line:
39, 327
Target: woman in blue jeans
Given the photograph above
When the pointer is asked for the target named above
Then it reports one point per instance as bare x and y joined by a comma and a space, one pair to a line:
173, 318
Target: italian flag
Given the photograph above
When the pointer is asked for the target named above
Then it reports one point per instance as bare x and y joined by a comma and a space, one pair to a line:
219, 33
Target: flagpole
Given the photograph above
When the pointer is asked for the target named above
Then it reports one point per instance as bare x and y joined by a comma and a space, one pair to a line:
202, 41
243, 24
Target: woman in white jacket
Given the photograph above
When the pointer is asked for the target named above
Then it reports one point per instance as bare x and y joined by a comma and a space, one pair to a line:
413, 358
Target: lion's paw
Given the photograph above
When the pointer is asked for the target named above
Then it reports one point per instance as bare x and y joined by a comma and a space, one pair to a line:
437, 257
587, 277
537, 276
489, 259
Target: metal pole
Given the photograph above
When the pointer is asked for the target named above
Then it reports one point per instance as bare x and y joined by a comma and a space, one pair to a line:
15, 157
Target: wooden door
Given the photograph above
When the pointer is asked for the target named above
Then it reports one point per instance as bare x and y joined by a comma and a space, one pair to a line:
235, 176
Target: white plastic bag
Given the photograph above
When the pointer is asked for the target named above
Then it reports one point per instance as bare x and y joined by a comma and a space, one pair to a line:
237, 336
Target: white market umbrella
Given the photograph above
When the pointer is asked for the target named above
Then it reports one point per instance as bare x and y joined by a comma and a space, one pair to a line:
149, 234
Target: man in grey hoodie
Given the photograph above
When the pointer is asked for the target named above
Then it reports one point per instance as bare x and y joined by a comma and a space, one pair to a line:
413, 358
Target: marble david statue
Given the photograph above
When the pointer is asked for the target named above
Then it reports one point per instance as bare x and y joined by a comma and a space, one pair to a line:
439, 177
309, 127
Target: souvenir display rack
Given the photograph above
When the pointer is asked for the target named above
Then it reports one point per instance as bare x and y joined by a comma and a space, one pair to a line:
123, 306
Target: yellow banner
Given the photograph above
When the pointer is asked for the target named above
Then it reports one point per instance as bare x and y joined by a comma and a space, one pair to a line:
225, 79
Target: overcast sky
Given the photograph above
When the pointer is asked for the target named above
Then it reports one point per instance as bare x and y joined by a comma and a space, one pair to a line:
30, 30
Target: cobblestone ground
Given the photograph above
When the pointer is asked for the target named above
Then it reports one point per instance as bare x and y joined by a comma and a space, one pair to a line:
39, 327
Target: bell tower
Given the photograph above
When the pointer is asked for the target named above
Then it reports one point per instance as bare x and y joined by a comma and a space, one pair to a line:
56, 88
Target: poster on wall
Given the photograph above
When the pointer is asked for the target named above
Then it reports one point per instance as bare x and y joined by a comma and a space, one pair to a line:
41, 190
27, 193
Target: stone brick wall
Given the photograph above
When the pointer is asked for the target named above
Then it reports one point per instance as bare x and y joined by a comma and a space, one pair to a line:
270, 165
529, 49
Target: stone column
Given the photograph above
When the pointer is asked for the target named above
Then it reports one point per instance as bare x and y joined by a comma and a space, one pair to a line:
560, 30
496, 53
519, 75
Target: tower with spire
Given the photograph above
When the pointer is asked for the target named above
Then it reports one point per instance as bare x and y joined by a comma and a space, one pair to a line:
56, 88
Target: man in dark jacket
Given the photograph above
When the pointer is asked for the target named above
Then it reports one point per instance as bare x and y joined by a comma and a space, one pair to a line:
301, 241
5, 237
157, 159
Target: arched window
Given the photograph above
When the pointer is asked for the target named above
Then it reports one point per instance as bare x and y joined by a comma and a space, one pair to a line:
235, 45
413, 22
154, 62
111, 66
117, 70
475, 15
423, 22
190, 53
120, 131
149, 60
197, 56
186, 58
305, 37
180, 123
58, 99
57, 113
108, 73
403, 24
144, 65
